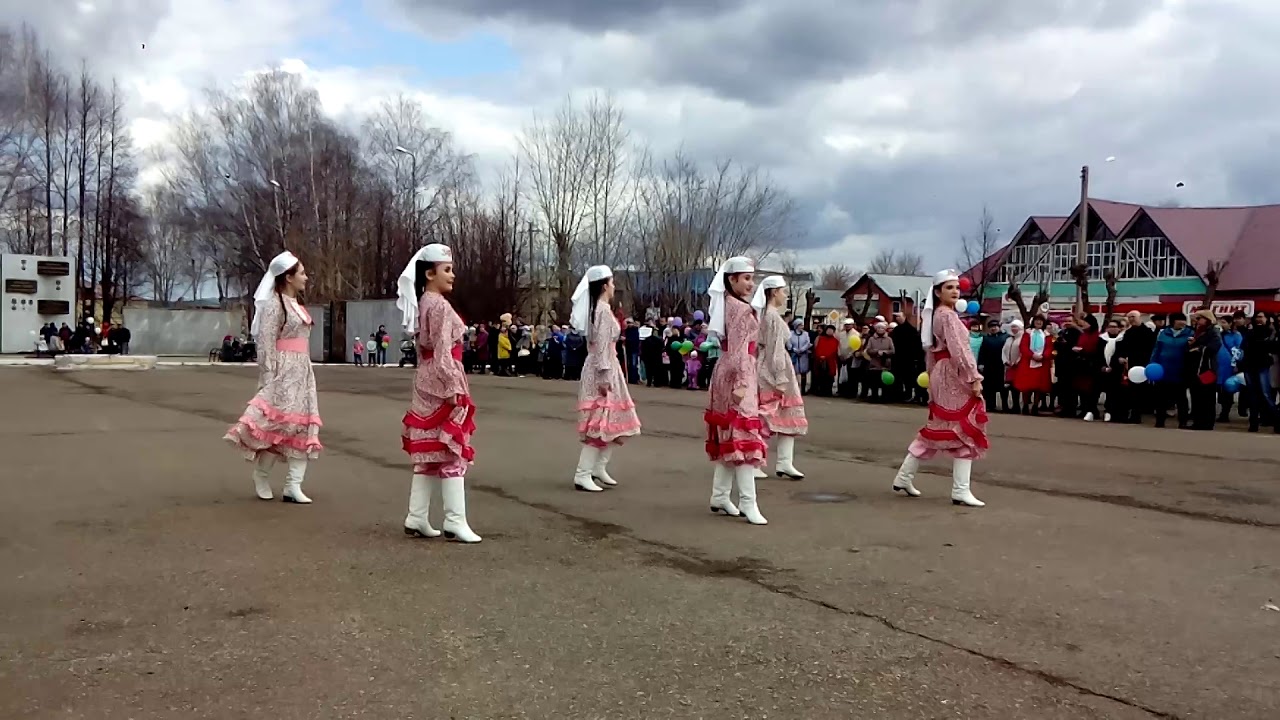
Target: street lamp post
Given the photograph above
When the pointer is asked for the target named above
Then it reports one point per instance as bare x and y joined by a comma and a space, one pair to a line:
279, 217
413, 188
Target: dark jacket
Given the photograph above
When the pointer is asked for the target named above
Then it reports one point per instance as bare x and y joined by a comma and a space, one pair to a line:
1137, 345
991, 355
1202, 355
1258, 345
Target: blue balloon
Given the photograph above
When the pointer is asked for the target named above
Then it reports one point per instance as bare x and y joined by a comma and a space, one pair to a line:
974, 307
697, 315
1154, 372
1233, 385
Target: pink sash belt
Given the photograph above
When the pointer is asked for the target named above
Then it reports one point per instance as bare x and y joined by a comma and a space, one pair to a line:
297, 345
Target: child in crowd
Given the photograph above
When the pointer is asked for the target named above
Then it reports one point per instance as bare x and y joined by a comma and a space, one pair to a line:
692, 366
372, 347
357, 352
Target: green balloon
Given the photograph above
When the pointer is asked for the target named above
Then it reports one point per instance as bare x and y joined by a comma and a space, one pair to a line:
886, 377
688, 346
705, 347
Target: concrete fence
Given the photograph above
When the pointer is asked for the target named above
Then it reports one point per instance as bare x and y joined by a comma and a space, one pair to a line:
161, 331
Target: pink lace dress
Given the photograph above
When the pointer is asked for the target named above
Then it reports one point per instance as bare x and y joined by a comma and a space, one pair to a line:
735, 433
441, 417
957, 424
781, 404
283, 417
606, 414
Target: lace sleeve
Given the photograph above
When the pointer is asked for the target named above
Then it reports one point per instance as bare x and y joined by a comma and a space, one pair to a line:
603, 340
270, 323
956, 338
443, 330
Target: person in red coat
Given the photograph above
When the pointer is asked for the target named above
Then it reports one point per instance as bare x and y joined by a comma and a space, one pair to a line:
1034, 376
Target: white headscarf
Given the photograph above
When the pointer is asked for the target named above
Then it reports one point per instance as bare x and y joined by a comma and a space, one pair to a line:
279, 265
732, 266
406, 293
926, 321
758, 300
580, 315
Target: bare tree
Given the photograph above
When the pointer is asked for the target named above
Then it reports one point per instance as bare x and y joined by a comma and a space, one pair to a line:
836, 277
167, 249
17, 126
896, 262
557, 156
977, 250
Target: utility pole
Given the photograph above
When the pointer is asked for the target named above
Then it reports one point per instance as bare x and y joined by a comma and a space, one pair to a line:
413, 192
1082, 246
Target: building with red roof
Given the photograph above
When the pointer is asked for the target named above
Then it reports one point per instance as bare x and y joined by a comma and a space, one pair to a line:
1160, 256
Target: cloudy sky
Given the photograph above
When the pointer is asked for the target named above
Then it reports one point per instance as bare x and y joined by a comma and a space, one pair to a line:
891, 121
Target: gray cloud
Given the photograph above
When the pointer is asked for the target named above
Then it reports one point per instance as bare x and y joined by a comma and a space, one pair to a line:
589, 15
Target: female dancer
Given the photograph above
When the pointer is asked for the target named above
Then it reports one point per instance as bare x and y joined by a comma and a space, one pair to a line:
735, 433
957, 422
283, 418
441, 417
781, 404
606, 414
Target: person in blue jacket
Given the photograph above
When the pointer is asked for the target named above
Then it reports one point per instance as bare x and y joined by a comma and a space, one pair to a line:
1228, 362
1170, 353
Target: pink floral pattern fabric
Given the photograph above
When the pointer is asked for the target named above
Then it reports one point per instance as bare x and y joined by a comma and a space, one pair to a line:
441, 417
781, 404
606, 413
735, 433
284, 416
957, 424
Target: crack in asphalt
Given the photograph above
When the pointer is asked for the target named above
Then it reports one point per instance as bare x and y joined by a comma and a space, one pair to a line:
750, 570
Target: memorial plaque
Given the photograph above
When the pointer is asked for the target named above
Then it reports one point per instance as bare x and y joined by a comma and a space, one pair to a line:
53, 307
53, 268
15, 285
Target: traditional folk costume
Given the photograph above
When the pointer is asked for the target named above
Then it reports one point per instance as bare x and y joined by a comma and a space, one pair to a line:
781, 404
735, 433
957, 424
283, 418
606, 414
441, 417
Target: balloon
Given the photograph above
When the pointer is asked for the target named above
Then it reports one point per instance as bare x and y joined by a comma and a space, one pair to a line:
1235, 383
1155, 373
965, 284
974, 307
1137, 375
676, 345
385, 344
855, 342
687, 346
886, 377
923, 380
677, 322
698, 316
705, 347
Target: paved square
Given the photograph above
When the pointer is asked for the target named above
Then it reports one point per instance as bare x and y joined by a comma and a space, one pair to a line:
1116, 572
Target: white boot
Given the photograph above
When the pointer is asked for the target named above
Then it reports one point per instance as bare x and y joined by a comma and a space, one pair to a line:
721, 486
960, 495
455, 511
785, 466
601, 470
904, 482
588, 459
418, 522
761, 474
746, 480
293, 486
262, 474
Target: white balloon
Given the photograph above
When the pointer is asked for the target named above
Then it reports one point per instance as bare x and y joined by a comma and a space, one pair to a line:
1137, 375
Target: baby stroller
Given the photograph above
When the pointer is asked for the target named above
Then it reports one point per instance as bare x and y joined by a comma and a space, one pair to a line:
408, 353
